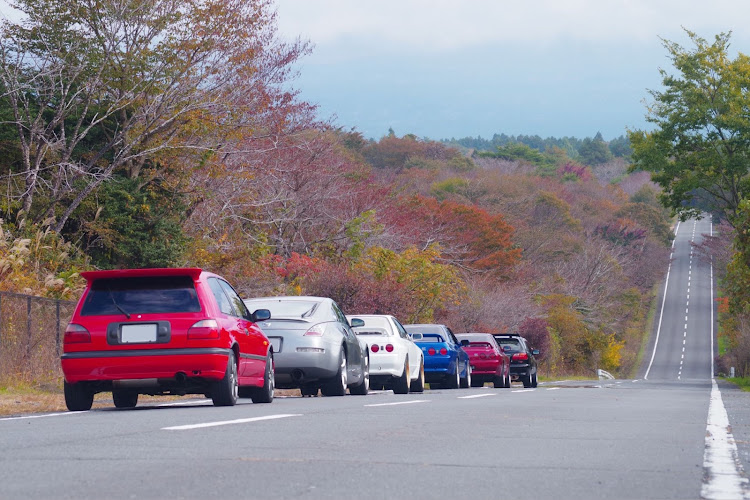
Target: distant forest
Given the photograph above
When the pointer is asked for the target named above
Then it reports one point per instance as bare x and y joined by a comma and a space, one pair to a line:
590, 151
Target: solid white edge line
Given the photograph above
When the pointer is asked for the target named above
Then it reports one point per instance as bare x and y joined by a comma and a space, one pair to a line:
711, 265
723, 470
476, 396
661, 314
227, 422
26, 417
401, 403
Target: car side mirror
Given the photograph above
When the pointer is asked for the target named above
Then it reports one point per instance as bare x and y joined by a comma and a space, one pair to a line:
260, 315
356, 322
415, 336
535, 352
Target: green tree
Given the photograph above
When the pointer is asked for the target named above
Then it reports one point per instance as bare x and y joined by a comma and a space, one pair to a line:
699, 149
594, 151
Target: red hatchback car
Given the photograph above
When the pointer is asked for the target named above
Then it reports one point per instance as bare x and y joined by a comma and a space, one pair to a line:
164, 331
489, 363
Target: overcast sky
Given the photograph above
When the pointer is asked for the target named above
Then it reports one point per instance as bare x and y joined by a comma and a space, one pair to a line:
457, 68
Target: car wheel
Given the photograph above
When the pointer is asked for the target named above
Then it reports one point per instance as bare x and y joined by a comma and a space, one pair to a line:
527, 381
226, 391
534, 382
454, 381
309, 390
498, 382
507, 380
78, 397
125, 399
265, 394
466, 381
363, 387
337, 385
418, 384
401, 385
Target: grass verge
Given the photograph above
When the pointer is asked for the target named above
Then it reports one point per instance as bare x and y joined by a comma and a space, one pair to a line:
741, 382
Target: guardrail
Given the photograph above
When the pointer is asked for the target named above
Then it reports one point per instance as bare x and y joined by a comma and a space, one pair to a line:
604, 375
31, 331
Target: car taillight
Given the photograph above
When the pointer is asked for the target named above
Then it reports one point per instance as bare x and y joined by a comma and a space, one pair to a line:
483, 355
431, 351
316, 331
520, 356
76, 334
374, 348
443, 351
204, 329
389, 347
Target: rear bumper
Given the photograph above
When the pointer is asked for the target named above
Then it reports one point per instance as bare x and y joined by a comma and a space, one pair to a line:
294, 368
386, 364
484, 366
206, 363
523, 370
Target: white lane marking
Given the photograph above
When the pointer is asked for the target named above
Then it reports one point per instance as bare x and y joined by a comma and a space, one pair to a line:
557, 388
227, 422
477, 396
524, 390
401, 403
26, 417
661, 314
186, 403
720, 460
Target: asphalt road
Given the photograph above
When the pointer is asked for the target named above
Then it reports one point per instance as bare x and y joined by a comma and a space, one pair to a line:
647, 438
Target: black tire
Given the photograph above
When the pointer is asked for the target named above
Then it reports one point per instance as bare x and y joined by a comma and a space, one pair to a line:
466, 381
363, 387
454, 381
225, 392
265, 394
507, 380
337, 385
124, 398
498, 382
78, 397
309, 391
526, 381
418, 385
401, 384
534, 382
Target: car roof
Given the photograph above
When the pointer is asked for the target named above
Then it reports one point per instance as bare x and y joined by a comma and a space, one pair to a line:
478, 336
193, 272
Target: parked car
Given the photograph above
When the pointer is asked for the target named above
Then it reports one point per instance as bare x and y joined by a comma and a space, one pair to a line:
396, 362
446, 364
489, 363
314, 346
523, 365
164, 331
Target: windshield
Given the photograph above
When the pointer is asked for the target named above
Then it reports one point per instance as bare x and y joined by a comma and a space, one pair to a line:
285, 308
143, 295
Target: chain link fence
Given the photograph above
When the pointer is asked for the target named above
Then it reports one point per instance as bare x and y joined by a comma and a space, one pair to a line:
31, 335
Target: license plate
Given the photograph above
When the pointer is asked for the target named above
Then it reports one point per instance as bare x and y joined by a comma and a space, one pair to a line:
275, 343
138, 334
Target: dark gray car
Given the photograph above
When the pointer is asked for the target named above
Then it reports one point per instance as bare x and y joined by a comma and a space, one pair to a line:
313, 346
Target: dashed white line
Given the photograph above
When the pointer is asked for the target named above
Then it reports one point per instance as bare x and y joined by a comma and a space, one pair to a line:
475, 396
227, 422
553, 388
24, 417
401, 403
524, 390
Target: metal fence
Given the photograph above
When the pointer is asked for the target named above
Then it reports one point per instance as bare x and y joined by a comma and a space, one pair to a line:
31, 335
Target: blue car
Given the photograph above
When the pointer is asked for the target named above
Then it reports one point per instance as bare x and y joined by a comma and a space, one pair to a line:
446, 364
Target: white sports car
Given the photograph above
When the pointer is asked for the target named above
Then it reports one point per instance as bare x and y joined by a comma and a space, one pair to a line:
396, 362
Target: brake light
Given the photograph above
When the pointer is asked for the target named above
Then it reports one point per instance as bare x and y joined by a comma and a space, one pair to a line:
76, 334
204, 329
520, 356
316, 331
374, 348
431, 351
389, 347
443, 351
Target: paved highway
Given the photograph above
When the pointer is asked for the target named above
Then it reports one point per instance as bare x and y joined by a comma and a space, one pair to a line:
661, 436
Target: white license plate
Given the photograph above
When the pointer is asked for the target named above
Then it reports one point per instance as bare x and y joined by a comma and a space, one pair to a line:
275, 343
131, 334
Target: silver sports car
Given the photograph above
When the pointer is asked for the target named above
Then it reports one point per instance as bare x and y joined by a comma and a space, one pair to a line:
313, 346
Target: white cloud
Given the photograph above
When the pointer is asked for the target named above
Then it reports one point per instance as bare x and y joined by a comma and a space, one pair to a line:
431, 25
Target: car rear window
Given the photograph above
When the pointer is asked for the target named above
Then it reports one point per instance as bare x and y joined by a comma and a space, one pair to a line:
509, 344
142, 295
370, 331
480, 345
430, 337
285, 308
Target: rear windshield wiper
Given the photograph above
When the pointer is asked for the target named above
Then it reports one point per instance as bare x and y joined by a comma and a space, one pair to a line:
111, 296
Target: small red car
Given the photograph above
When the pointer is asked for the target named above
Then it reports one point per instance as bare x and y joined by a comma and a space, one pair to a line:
164, 331
489, 363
